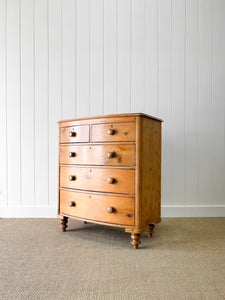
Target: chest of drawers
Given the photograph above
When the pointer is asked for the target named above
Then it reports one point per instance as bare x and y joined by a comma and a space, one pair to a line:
110, 172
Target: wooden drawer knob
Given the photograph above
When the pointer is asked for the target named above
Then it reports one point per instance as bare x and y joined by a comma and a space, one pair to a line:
72, 154
111, 180
72, 178
72, 203
72, 133
111, 131
111, 154
110, 209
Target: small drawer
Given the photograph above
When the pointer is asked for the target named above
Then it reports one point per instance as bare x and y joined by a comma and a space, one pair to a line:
98, 179
110, 155
113, 132
103, 208
75, 134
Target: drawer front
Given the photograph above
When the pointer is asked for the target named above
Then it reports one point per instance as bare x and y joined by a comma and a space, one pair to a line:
104, 208
114, 155
113, 132
98, 179
75, 134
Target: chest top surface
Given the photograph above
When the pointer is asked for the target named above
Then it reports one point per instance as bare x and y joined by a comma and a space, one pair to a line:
106, 118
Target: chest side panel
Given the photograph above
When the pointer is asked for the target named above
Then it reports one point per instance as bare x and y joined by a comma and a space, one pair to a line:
149, 172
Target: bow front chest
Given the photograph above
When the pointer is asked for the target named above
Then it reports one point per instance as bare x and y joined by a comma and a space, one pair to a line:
110, 172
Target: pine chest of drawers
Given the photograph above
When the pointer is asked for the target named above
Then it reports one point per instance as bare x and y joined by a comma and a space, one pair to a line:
110, 172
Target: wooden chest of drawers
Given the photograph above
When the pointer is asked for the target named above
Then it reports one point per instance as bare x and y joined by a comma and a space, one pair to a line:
110, 172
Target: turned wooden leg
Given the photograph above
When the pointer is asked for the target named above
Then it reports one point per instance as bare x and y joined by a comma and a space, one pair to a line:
135, 239
150, 230
63, 223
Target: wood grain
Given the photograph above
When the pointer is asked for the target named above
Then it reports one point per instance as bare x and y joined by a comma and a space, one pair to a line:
150, 230
148, 184
81, 134
120, 132
96, 179
115, 177
63, 222
94, 207
135, 240
131, 117
97, 155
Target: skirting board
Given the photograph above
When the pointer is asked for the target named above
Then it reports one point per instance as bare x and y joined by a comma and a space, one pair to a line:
28, 212
167, 212
193, 211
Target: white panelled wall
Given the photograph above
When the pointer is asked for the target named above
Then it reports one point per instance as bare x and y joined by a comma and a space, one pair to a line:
73, 58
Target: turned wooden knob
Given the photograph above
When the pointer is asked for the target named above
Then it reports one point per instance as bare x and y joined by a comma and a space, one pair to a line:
72, 178
72, 203
111, 154
110, 209
111, 180
72, 154
111, 131
72, 133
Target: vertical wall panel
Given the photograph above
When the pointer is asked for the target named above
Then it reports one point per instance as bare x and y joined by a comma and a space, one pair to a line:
41, 103
55, 99
110, 56
68, 58
205, 102
27, 102
138, 56
3, 106
178, 100
218, 101
96, 57
164, 99
149, 29
83, 57
147, 32
191, 103
152, 56
13, 103
124, 56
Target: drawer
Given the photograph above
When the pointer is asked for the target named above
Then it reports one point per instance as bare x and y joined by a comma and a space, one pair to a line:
114, 155
98, 179
113, 132
74, 134
104, 208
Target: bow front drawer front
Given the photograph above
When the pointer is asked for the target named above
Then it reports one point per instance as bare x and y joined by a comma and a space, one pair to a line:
98, 179
113, 132
112, 155
104, 208
75, 134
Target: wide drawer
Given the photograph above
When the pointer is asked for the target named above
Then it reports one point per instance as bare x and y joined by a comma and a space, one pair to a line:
104, 208
114, 155
113, 132
74, 134
98, 179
